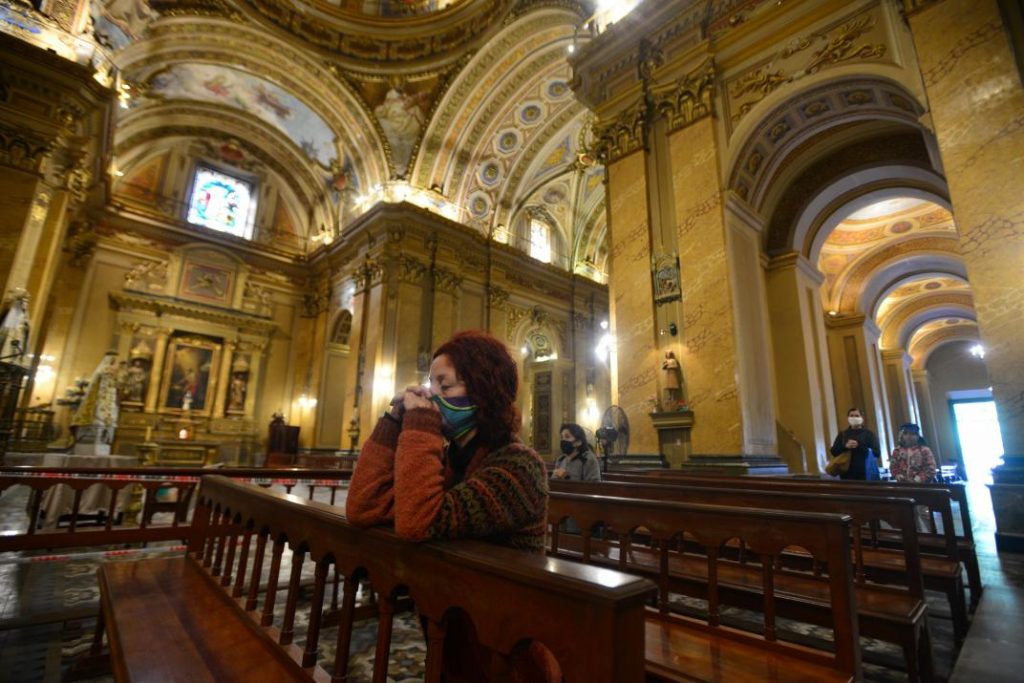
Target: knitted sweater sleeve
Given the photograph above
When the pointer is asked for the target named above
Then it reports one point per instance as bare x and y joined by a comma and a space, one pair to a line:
505, 495
371, 498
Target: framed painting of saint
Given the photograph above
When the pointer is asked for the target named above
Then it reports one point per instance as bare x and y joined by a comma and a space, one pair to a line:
190, 373
665, 273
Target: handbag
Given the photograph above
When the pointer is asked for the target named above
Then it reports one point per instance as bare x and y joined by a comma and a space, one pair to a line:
839, 464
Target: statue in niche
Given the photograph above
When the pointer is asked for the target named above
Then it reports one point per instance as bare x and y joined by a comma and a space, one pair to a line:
137, 377
96, 418
673, 381
238, 388
14, 328
239, 385
186, 402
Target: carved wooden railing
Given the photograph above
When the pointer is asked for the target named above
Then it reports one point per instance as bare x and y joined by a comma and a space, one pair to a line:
133, 492
510, 596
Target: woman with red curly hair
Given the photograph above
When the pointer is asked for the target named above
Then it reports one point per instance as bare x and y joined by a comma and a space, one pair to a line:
446, 462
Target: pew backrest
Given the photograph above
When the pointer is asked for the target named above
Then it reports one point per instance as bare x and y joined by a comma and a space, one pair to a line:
766, 533
862, 510
510, 596
936, 499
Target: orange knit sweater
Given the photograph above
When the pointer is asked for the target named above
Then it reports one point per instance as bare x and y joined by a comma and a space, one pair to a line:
403, 476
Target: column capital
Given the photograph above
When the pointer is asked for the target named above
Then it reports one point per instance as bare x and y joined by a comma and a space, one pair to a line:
897, 356
794, 259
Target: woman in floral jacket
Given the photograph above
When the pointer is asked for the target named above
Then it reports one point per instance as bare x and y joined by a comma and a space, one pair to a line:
912, 460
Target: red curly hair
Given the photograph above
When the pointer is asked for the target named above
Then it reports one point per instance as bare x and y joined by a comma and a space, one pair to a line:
492, 381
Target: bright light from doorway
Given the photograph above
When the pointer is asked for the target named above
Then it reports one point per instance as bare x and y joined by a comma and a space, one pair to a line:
981, 444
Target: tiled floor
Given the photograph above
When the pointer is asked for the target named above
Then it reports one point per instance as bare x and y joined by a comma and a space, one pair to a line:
994, 649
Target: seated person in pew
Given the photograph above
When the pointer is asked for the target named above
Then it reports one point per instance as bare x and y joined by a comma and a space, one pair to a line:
446, 462
577, 462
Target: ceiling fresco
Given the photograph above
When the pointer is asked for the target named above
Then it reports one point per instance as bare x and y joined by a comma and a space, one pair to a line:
916, 307
240, 90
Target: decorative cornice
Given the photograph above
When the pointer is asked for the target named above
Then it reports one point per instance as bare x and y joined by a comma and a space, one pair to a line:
162, 306
621, 136
410, 270
447, 281
24, 149
689, 99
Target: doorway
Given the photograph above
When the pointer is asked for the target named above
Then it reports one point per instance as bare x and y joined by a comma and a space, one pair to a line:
976, 430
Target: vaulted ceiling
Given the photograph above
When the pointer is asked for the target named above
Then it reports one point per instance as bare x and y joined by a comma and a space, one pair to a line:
463, 107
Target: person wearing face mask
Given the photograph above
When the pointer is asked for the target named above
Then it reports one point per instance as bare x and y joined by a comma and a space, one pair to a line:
446, 462
912, 460
577, 461
859, 440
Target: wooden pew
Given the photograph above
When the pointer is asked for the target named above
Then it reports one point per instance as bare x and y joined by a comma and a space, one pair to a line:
682, 648
198, 617
937, 498
120, 484
899, 620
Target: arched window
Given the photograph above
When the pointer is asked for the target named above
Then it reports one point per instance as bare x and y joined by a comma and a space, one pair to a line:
342, 329
222, 202
540, 240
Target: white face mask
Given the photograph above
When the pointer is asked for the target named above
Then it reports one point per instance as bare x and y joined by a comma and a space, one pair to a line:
856, 421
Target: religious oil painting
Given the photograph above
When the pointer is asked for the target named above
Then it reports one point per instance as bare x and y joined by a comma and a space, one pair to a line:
666, 279
207, 283
221, 202
254, 95
190, 373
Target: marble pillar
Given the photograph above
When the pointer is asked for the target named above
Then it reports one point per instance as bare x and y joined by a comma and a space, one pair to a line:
899, 386
926, 413
156, 370
857, 378
976, 99
805, 405
635, 361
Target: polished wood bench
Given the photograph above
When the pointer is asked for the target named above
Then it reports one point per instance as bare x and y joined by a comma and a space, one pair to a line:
947, 541
679, 647
199, 617
899, 619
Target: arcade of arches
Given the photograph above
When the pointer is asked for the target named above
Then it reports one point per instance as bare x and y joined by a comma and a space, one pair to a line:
285, 206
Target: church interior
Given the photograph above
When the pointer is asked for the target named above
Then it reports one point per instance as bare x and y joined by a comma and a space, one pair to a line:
233, 230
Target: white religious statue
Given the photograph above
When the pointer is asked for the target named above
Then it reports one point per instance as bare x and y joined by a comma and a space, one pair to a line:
95, 421
186, 402
14, 328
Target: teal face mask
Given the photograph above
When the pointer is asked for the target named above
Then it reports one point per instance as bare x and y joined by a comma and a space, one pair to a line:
458, 415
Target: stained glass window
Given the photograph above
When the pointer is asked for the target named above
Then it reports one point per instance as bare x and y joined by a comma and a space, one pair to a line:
540, 240
223, 203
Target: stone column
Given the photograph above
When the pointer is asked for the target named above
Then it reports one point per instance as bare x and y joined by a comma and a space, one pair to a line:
162, 336
224, 379
977, 107
900, 388
256, 352
857, 374
925, 411
806, 406
635, 361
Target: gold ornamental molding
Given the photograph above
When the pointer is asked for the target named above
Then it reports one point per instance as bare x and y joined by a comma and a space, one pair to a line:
24, 149
860, 37
689, 99
161, 306
621, 136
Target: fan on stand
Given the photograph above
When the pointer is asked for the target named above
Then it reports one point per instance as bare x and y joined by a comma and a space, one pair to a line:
613, 435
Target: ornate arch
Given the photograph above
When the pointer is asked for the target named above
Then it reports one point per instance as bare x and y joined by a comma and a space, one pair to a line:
922, 349
847, 296
901, 325
217, 41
